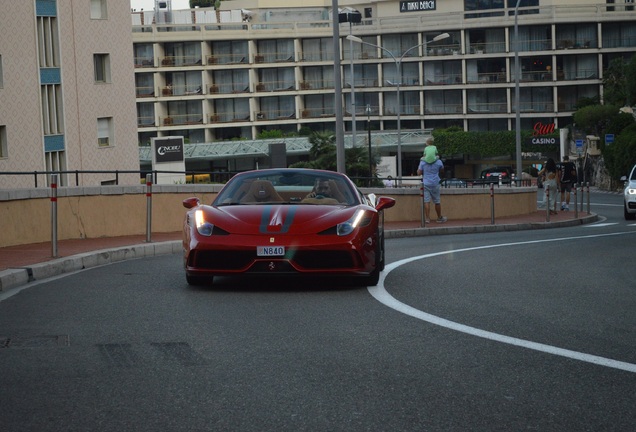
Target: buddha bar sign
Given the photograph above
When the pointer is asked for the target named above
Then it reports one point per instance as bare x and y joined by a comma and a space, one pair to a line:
540, 134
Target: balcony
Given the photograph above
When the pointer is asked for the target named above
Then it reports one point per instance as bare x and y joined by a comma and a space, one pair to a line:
226, 59
144, 62
275, 115
318, 112
275, 86
181, 61
182, 119
144, 91
182, 90
487, 108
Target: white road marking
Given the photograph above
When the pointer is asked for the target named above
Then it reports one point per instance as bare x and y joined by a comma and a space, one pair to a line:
380, 294
596, 225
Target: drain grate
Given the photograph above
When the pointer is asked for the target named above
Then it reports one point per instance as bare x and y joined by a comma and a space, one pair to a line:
43, 341
119, 354
179, 352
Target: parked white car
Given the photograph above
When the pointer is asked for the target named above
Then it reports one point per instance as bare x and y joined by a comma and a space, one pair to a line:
630, 195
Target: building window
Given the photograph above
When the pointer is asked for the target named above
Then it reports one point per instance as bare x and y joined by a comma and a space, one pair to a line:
48, 42
102, 68
631, 5
3, 142
98, 9
51, 97
105, 132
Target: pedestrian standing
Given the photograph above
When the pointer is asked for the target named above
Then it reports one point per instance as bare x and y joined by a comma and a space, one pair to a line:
550, 184
567, 176
431, 175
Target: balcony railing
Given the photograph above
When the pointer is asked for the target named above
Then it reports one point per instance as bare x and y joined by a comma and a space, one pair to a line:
144, 62
182, 119
487, 108
227, 59
181, 61
271, 86
182, 90
145, 91
275, 115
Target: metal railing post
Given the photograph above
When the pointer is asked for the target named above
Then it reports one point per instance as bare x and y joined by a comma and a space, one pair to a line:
492, 202
582, 195
547, 202
423, 222
54, 215
576, 203
589, 209
148, 208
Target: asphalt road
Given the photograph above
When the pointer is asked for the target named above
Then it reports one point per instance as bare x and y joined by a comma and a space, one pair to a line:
525, 330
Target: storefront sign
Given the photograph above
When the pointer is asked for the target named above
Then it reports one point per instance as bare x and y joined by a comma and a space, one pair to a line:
169, 150
539, 132
418, 6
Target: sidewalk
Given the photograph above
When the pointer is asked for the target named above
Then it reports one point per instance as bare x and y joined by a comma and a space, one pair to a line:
25, 263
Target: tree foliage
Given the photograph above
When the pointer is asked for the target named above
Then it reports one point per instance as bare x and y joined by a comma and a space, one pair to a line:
323, 155
614, 91
496, 143
595, 119
621, 156
201, 3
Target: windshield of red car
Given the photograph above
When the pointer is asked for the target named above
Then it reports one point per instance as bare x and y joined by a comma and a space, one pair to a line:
288, 187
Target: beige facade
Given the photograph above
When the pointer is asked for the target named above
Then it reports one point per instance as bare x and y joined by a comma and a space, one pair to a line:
55, 103
257, 66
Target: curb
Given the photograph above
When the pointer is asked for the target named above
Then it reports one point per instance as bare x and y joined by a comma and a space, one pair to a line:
473, 229
16, 277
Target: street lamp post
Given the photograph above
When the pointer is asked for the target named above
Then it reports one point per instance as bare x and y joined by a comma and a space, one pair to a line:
398, 68
518, 102
368, 111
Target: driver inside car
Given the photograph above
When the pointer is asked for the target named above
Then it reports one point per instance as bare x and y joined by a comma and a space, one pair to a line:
322, 193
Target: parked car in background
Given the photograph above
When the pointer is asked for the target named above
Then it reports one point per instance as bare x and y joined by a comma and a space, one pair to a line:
491, 175
629, 195
453, 182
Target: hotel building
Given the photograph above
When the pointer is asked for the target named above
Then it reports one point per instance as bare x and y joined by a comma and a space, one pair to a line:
67, 98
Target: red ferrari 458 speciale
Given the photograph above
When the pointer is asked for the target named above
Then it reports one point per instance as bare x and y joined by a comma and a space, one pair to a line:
286, 222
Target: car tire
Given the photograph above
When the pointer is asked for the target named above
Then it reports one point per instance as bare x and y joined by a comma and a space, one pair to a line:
374, 276
628, 215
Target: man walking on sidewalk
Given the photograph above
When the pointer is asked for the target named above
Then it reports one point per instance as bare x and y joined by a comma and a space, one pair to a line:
431, 173
567, 173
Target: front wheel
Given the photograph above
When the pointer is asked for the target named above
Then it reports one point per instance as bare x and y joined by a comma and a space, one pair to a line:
374, 276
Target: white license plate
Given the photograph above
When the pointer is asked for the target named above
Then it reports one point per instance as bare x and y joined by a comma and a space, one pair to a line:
270, 250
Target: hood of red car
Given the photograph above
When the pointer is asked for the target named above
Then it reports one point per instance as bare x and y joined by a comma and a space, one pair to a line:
276, 218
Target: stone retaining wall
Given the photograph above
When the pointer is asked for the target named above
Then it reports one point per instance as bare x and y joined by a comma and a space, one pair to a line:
110, 211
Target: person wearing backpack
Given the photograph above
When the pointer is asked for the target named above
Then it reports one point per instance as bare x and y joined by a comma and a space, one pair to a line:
567, 174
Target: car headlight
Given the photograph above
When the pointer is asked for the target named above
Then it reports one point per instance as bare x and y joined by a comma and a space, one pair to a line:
358, 219
203, 227
630, 191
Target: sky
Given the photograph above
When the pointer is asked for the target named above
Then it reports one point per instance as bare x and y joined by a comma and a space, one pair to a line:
150, 4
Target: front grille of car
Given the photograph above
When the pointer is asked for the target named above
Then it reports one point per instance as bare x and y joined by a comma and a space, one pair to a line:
324, 259
221, 260
631, 205
236, 260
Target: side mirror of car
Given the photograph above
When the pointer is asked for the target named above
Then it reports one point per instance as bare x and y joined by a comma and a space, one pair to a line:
384, 203
191, 202
624, 178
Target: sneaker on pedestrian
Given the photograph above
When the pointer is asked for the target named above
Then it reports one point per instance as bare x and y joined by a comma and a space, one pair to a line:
428, 221
442, 219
